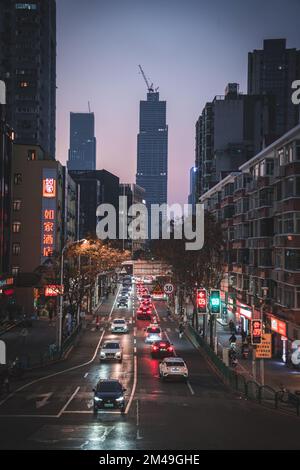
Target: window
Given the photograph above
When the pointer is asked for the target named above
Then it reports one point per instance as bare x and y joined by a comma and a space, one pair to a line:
292, 260
15, 270
289, 187
16, 205
278, 259
31, 155
26, 6
16, 249
16, 227
17, 178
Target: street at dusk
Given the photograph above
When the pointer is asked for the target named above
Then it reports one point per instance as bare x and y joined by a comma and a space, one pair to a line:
149, 230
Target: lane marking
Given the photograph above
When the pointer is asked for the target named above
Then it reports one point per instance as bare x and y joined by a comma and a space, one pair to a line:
64, 371
133, 387
85, 375
68, 402
190, 387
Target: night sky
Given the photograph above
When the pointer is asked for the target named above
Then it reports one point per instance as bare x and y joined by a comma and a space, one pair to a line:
189, 48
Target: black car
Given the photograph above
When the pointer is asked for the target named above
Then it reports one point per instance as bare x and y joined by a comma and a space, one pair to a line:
162, 349
109, 394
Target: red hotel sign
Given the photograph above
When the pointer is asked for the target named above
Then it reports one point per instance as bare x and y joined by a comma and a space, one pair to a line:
278, 326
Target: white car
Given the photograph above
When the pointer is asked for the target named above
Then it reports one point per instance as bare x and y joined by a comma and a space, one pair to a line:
173, 367
153, 333
119, 325
111, 350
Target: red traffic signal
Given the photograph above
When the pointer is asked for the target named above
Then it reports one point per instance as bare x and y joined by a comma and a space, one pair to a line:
201, 301
256, 331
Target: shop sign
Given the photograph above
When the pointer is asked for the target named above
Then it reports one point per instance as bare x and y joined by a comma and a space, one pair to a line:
264, 349
278, 326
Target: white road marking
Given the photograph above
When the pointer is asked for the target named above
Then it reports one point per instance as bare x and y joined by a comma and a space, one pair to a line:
40, 399
190, 388
177, 330
134, 341
133, 387
68, 402
134, 350
85, 375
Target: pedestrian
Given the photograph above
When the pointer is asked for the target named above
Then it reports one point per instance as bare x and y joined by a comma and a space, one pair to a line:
232, 327
244, 335
232, 339
181, 330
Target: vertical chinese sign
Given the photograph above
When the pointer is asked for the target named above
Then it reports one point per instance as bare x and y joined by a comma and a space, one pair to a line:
48, 219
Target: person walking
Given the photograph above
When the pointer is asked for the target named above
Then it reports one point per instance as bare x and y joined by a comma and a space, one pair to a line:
181, 330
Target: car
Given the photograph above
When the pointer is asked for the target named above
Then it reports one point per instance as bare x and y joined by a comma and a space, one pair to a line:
119, 325
122, 302
124, 293
144, 313
173, 367
146, 297
162, 349
109, 394
111, 350
153, 333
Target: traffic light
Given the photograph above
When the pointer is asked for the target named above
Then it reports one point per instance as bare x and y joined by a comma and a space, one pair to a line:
201, 301
215, 301
256, 331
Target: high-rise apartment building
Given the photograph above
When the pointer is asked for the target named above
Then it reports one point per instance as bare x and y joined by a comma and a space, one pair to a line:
152, 158
82, 152
28, 67
229, 131
271, 71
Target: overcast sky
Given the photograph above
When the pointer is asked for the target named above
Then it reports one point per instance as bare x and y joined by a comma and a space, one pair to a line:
189, 48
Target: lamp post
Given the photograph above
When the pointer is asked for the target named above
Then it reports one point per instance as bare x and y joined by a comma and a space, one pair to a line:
61, 299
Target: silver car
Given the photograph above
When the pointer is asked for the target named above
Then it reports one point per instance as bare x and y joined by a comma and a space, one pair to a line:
111, 351
173, 367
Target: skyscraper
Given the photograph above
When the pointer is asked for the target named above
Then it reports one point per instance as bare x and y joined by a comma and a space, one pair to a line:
152, 151
271, 71
82, 152
28, 67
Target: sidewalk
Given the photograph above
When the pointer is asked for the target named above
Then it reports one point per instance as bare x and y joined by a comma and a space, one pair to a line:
276, 372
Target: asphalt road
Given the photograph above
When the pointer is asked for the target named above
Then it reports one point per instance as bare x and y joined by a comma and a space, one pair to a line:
52, 409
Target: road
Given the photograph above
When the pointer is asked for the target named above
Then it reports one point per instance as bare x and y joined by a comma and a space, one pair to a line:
53, 408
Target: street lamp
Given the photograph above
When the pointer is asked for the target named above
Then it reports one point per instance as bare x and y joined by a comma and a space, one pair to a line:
68, 245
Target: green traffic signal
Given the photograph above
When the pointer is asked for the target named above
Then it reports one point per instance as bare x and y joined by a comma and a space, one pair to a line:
215, 301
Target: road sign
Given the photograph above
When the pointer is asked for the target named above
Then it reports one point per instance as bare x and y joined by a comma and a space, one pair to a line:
201, 301
264, 349
256, 332
169, 289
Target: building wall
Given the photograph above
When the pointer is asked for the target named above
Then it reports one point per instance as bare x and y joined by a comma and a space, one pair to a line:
259, 208
82, 152
152, 151
29, 165
28, 66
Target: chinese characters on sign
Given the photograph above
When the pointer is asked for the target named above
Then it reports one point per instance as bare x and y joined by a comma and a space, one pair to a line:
256, 331
264, 349
49, 187
278, 326
48, 219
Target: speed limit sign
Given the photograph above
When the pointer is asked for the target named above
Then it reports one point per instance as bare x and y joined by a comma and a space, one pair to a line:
169, 289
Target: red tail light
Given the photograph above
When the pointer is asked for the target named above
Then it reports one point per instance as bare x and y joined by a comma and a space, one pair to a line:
155, 348
163, 345
170, 349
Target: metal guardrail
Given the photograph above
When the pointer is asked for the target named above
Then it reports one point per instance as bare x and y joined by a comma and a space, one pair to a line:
263, 394
46, 357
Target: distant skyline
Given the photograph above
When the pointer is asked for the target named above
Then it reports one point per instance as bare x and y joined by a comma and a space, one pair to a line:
189, 48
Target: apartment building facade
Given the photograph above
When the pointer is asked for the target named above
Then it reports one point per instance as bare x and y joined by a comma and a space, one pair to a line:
259, 208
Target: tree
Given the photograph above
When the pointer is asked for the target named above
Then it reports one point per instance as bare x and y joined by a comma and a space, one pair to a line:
194, 268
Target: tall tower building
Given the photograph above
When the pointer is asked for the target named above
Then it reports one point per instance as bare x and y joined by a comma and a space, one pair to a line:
28, 67
271, 71
82, 152
152, 151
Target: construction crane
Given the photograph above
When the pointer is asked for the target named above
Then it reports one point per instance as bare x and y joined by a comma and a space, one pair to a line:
150, 87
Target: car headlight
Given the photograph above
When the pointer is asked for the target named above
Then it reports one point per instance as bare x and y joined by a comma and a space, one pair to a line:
118, 354
120, 399
102, 354
98, 399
